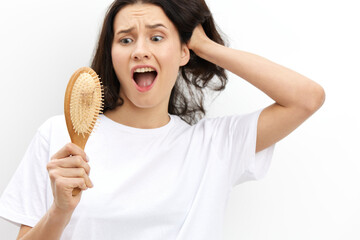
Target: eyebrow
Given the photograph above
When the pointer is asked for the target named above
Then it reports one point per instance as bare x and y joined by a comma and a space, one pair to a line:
147, 26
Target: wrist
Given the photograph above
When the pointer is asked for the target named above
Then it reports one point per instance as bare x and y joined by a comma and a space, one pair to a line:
202, 47
208, 50
59, 216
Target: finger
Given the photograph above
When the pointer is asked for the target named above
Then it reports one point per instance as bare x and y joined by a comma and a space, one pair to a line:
70, 162
75, 173
68, 184
77, 183
69, 149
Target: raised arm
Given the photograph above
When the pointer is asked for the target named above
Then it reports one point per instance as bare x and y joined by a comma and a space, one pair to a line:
296, 97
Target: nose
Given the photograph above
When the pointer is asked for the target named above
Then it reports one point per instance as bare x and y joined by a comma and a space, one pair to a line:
141, 51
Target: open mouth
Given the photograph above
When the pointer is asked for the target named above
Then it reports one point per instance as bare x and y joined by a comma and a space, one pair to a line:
144, 77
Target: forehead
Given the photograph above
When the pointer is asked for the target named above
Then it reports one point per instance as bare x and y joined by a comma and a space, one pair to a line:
141, 13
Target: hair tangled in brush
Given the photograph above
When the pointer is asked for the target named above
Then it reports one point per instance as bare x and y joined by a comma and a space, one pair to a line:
187, 96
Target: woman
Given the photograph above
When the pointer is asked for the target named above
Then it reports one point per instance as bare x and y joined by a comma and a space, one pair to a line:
156, 176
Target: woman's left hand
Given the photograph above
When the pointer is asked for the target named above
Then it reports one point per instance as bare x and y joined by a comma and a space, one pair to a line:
198, 39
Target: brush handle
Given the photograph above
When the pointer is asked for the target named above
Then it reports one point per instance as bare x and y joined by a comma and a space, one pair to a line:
76, 191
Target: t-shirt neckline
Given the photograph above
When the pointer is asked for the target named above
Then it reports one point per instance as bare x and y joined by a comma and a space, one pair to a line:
134, 130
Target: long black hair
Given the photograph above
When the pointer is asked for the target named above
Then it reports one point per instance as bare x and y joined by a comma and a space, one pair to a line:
187, 96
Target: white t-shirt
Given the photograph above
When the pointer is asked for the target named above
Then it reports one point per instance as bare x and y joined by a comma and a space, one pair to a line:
171, 182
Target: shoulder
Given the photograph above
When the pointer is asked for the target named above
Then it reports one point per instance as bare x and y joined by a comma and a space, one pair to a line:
179, 122
238, 123
242, 119
54, 124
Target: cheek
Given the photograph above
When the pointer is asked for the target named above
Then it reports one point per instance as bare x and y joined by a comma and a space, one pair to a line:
118, 60
115, 56
171, 54
118, 53
170, 60
171, 50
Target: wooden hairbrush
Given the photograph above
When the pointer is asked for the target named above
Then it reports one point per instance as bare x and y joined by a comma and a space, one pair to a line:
83, 105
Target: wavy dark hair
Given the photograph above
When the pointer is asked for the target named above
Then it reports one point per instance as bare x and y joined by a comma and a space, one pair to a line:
187, 96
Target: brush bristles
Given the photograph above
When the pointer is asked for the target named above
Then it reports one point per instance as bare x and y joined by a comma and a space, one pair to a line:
86, 103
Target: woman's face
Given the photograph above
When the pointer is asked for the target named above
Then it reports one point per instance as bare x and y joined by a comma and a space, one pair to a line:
146, 55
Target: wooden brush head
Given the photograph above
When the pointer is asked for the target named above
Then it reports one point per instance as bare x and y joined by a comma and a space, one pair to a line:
83, 104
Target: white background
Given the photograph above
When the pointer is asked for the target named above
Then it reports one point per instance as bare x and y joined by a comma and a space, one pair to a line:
312, 189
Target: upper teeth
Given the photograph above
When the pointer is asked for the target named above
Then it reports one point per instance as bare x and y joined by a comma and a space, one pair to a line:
142, 70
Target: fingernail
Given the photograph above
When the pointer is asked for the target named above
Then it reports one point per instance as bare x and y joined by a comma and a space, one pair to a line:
87, 158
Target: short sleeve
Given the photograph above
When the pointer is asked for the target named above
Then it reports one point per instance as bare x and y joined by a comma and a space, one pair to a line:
235, 138
24, 199
245, 163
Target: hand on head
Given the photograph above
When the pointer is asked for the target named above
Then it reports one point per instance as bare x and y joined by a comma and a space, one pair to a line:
198, 38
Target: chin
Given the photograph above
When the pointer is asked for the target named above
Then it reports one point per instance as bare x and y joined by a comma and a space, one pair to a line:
144, 104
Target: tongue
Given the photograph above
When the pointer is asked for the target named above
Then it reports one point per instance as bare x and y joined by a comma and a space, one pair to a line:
144, 79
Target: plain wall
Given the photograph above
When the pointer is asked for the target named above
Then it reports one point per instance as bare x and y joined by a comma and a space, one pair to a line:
312, 189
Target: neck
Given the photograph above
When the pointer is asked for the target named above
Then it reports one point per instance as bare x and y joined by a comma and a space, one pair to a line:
145, 118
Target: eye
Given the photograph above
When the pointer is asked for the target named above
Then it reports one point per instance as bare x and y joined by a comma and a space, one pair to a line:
156, 38
126, 41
